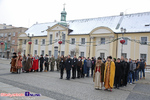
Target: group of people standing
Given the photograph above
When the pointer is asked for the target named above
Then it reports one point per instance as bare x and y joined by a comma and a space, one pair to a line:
31, 63
107, 73
117, 73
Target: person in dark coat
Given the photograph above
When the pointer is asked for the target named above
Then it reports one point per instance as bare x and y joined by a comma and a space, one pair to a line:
93, 66
123, 67
74, 67
41, 59
68, 67
118, 72
142, 67
79, 68
62, 66
46, 63
126, 71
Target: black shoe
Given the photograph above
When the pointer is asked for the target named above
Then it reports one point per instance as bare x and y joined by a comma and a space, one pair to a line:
117, 87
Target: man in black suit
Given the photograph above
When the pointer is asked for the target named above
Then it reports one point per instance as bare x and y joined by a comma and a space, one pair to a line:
68, 67
74, 67
41, 59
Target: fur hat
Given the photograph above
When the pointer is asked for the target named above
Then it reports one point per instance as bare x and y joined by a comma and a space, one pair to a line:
99, 58
110, 57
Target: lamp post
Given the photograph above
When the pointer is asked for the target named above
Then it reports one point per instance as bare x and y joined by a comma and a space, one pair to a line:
122, 41
59, 42
30, 43
2, 43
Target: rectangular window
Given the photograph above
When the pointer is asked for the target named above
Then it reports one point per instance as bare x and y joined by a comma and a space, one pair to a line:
12, 50
5, 34
82, 40
72, 53
143, 40
2, 34
73, 41
124, 55
49, 53
63, 38
8, 46
14, 34
43, 41
13, 41
143, 56
35, 51
126, 41
9, 33
25, 41
82, 54
36, 42
102, 55
51, 36
62, 53
42, 52
102, 41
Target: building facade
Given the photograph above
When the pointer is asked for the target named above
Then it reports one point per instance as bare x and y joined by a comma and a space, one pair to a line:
91, 37
9, 38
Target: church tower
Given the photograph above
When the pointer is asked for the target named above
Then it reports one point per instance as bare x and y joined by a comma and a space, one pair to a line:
63, 14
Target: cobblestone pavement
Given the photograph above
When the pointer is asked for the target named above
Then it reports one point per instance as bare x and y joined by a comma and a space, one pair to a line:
51, 87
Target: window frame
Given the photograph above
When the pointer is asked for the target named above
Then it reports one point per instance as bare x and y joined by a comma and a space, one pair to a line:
50, 39
14, 34
72, 41
143, 54
35, 52
82, 42
49, 52
124, 54
81, 54
43, 41
101, 55
145, 42
102, 41
36, 41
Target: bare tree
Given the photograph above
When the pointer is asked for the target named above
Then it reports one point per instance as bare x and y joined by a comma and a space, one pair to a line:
75, 50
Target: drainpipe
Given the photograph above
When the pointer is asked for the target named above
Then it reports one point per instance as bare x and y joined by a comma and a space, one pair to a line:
117, 46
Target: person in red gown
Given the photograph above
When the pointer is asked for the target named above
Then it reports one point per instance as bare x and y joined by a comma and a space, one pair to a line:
35, 65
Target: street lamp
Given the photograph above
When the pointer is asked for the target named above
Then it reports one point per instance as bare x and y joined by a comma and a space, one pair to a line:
59, 42
30, 42
122, 41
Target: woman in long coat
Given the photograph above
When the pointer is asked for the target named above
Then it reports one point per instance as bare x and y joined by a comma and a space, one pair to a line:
23, 62
98, 77
28, 64
19, 62
13, 68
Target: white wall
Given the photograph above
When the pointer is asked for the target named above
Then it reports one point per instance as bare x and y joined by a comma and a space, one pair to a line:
101, 48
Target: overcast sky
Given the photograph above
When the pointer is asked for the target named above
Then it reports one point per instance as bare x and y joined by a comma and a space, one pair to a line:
25, 13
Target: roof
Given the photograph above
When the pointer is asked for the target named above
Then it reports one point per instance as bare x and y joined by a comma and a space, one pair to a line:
132, 22
136, 22
39, 29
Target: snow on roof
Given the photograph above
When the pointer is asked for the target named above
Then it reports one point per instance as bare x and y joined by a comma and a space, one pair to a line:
39, 29
139, 22
85, 26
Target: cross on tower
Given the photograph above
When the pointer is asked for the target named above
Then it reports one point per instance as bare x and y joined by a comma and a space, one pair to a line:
64, 5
